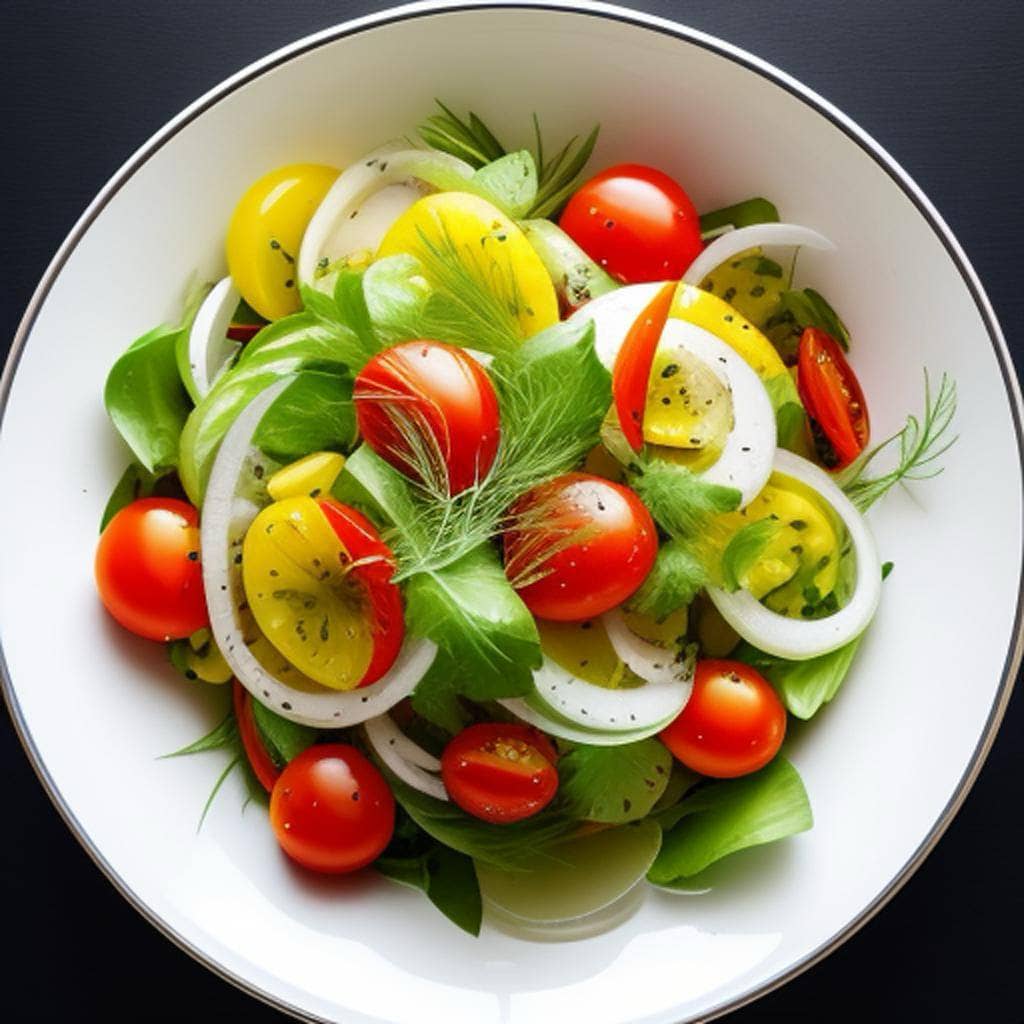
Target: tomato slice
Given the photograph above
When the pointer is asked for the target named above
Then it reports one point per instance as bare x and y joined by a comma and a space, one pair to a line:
500, 773
260, 761
833, 399
632, 370
373, 565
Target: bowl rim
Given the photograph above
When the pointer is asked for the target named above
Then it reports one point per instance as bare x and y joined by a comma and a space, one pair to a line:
676, 30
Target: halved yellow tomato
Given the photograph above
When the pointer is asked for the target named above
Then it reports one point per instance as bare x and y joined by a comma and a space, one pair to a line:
266, 230
487, 246
304, 596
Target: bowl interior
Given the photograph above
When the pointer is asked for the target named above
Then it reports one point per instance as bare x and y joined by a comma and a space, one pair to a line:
880, 764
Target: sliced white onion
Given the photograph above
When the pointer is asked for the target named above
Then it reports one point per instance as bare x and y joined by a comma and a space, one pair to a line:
732, 243
650, 662
559, 694
409, 761
367, 199
799, 639
210, 350
745, 461
225, 519
554, 726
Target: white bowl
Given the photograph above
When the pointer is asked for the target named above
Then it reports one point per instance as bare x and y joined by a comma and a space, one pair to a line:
886, 765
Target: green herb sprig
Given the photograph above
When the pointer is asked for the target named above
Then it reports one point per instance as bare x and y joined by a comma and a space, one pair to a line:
921, 442
471, 140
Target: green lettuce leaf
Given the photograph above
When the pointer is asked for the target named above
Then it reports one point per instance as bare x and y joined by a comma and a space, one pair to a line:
146, 399
804, 686
436, 697
739, 215
744, 549
509, 182
503, 846
724, 817
681, 502
613, 784
789, 410
674, 581
283, 739
471, 612
447, 877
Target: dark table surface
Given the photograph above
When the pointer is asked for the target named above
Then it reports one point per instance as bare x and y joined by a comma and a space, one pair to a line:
941, 85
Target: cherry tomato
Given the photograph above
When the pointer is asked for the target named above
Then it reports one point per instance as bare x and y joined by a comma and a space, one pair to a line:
833, 399
632, 372
260, 761
331, 809
373, 565
733, 723
148, 571
430, 410
579, 546
636, 222
500, 773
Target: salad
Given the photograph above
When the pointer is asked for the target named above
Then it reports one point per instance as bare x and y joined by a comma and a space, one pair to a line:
516, 513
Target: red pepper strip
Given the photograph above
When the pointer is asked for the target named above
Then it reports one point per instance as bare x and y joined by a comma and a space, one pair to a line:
633, 365
244, 332
262, 764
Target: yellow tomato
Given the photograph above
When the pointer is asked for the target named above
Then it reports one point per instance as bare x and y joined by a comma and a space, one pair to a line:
296, 579
313, 475
265, 233
481, 242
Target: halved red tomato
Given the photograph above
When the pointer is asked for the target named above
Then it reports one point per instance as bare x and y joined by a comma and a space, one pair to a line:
499, 772
430, 410
579, 546
632, 372
636, 222
833, 399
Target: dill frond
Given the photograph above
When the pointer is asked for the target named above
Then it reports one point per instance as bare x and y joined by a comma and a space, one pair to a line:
920, 442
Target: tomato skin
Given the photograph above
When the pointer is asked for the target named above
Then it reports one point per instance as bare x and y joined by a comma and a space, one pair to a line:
331, 809
636, 222
362, 541
445, 397
615, 551
632, 371
733, 723
260, 761
833, 398
148, 571
500, 773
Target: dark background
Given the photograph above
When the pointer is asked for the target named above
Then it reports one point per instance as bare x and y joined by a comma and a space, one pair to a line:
941, 85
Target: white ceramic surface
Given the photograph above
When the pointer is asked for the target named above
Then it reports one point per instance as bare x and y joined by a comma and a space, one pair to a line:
885, 765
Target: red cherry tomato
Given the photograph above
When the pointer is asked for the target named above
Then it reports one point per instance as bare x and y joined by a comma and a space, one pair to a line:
430, 410
331, 809
148, 571
733, 723
500, 773
833, 399
262, 764
636, 222
632, 372
581, 545
374, 565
